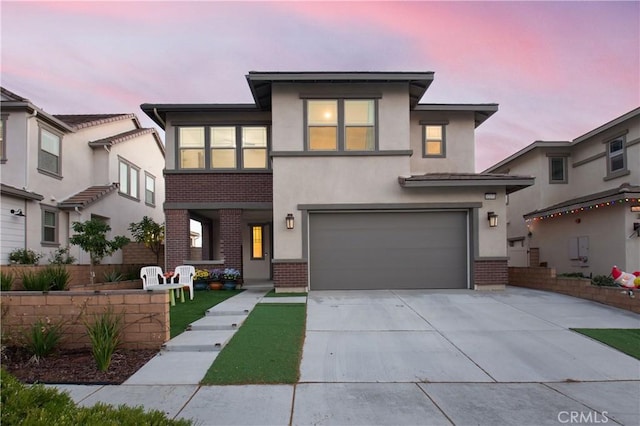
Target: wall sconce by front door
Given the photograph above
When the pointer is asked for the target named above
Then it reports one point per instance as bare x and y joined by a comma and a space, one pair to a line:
493, 219
290, 221
17, 212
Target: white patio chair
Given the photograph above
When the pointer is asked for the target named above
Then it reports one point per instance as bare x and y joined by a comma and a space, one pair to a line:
151, 276
185, 274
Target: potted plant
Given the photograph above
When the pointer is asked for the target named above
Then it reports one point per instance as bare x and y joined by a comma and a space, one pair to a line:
229, 278
201, 279
215, 277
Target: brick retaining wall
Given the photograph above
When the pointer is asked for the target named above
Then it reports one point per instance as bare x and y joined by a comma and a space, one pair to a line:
145, 315
546, 279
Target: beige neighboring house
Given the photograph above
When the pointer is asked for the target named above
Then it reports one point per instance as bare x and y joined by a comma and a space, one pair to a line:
336, 180
58, 169
583, 213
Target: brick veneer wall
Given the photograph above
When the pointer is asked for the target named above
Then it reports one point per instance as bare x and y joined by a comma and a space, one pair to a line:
490, 274
145, 315
546, 279
139, 254
231, 238
79, 274
291, 275
218, 187
177, 240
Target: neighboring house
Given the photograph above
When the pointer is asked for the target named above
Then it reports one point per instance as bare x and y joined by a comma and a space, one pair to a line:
59, 169
336, 180
583, 213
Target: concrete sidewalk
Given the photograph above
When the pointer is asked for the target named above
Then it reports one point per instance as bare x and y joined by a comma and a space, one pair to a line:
411, 357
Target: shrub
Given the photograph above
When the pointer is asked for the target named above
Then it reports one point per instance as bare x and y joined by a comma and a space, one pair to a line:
603, 281
57, 276
24, 257
113, 276
35, 281
42, 338
6, 281
40, 405
61, 257
105, 337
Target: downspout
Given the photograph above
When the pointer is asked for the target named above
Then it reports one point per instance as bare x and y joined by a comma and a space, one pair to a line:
26, 145
155, 112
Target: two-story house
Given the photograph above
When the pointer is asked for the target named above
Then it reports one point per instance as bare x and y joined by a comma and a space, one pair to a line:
59, 169
583, 213
336, 180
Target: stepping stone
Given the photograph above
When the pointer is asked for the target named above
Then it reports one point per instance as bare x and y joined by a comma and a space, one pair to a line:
218, 322
199, 341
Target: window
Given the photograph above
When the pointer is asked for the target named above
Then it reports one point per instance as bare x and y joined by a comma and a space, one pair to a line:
49, 226
558, 170
49, 154
128, 179
254, 147
191, 147
257, 246
223, 147
3, 138
434, 140
341, 125
149, 189
616, 157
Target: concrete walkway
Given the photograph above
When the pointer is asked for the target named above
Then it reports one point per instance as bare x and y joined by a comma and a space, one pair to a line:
407, 358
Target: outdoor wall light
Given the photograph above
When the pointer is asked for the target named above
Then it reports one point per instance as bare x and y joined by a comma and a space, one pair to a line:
493, 219
289, 220
17, 212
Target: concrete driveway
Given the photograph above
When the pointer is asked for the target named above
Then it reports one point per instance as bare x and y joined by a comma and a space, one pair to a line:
436, 357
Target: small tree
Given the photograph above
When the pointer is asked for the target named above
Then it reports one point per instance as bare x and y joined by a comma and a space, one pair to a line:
150, 233
91, 236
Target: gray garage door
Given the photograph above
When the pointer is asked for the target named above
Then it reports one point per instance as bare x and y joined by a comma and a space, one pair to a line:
381, 250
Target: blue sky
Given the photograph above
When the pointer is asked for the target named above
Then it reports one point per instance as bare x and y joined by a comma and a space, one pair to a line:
557, 69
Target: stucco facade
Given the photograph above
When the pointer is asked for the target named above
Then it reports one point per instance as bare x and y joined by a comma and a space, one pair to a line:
59, 169
393, 174
580, 220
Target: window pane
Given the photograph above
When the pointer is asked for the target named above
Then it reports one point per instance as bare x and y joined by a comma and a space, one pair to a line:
256, 242
434, 132
359, 139
617, 163
557, 169
359, 112
124, 178
191, 137
322, 112
254, 158
615, 146
323, 138
50, 142
434, 148
223, 137
133, 188
192, 159
254, 137
49, 227
223, 158
49, 219
48, 162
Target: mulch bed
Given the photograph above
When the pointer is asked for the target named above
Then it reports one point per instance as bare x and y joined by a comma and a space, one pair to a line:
73, 366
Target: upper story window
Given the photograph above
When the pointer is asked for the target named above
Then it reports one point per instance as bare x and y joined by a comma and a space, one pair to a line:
49, 154
616, 157
341, 124
49, 225
434, 138
129, 176
558, 170
149, 189
3, 138
223, 147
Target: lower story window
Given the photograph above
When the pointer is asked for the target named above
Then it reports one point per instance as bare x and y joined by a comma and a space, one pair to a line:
49, 226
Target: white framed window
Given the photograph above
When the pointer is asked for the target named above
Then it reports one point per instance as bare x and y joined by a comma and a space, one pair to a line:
149, 189
341, 124
129, 177
49, 153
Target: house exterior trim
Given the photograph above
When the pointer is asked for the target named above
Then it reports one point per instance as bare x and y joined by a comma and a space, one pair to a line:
390, 206
217, 206
407, 152
20, 193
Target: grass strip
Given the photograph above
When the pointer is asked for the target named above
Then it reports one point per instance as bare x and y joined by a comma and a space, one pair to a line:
185, 313
273, 293
266, 349
626, 340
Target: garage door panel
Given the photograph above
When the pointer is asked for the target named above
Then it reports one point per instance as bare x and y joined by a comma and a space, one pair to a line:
388, 250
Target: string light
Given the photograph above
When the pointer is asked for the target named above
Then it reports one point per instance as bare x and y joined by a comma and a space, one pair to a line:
584, 208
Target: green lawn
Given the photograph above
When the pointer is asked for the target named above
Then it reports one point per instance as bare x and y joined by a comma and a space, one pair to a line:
185, 313
625, 340
266, 349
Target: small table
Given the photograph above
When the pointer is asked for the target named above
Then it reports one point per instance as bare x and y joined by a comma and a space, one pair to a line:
171, 288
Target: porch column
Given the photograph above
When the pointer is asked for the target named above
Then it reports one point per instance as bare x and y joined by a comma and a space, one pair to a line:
206, 240
231, 238
177, 238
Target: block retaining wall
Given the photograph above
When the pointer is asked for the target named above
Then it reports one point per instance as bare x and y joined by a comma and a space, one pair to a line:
145, 315
546, 279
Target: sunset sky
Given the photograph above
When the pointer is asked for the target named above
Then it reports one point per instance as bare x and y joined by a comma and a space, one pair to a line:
557, 69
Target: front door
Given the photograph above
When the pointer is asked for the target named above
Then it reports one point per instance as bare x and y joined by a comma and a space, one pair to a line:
257, 253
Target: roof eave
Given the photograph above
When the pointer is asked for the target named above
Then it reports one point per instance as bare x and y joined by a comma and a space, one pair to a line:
510, 185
